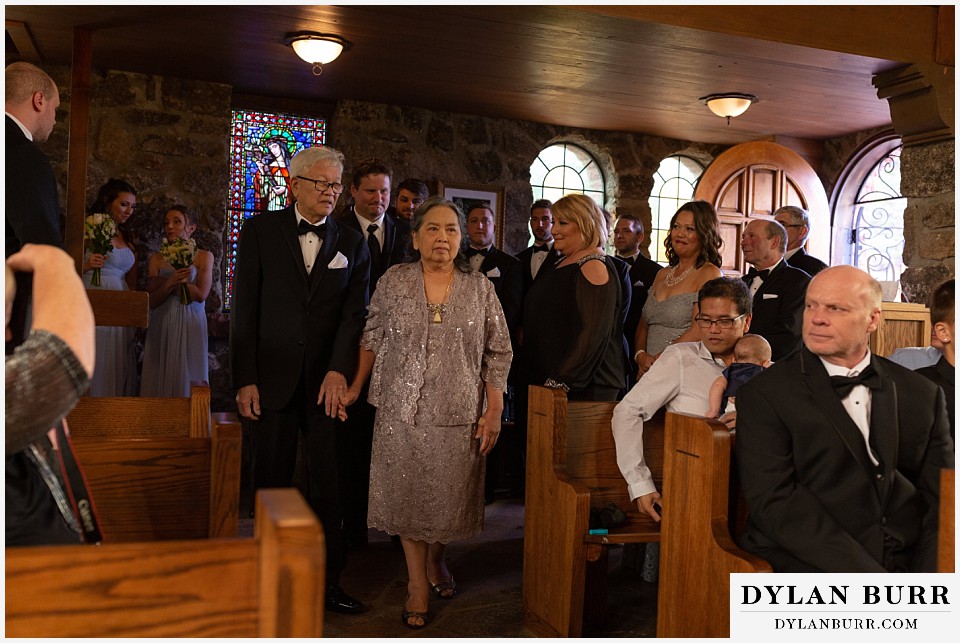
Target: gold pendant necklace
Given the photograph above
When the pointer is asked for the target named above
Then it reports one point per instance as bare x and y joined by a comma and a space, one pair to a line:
437, 310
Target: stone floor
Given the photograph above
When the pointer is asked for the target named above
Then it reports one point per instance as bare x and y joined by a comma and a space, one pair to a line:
488, 570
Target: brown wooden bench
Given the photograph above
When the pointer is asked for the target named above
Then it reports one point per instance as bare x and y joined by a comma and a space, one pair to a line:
701, 500
143, 417
120, 307
166, 487
946, 534
268, 586
571, 467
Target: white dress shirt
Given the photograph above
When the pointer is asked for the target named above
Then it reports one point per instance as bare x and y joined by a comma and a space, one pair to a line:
680, 379
537, 258
757, 281
309, 243
857, 403
366, 222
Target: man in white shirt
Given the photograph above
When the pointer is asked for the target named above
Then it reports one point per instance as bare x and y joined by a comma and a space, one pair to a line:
839, 451
680, 380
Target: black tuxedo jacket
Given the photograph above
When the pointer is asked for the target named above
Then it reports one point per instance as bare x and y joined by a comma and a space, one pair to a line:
642, 273
816, 501
33, 214
396, 243
525, 257
508, 285
807, 263
285, 324
778, 308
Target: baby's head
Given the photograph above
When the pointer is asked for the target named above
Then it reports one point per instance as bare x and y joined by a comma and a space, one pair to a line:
752, 349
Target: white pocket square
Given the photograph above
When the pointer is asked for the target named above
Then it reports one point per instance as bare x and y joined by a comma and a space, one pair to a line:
769, 296
340, 261
493, 273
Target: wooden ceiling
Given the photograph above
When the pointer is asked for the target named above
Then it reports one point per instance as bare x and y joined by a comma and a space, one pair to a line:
637, 69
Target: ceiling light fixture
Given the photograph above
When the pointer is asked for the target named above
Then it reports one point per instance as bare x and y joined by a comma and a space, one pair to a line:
729, 104
317, 48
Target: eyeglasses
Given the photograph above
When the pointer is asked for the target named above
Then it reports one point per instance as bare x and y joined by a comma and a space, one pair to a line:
792, 225
724, 323
323, 186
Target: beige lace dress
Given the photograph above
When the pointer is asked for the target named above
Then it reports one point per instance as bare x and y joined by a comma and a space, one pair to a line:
426, 472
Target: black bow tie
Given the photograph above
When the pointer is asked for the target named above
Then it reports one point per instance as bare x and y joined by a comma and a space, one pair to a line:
303, 228
753, 272
629, 260
843, 385
543, 248
474, 251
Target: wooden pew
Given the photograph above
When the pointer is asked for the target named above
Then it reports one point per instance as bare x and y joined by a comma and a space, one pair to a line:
697, 553
571, 467
946, 534
143, 417
120, 307
270, 586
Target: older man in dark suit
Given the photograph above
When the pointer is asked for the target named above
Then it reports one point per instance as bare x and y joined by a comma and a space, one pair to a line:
32, 212
777, 288
388, 239
839, 450
299, 308
796, 222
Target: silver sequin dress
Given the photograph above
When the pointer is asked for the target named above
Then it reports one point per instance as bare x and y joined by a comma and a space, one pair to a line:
426, 472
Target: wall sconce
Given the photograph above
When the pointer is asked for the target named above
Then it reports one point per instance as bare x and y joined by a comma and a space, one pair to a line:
730, 104
317, 48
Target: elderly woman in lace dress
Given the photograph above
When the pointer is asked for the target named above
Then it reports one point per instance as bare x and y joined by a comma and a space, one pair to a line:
439, 351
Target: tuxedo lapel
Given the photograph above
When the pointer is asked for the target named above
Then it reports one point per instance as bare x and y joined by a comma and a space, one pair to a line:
327, 252
489, 262
884, 431
288, 228
828, 403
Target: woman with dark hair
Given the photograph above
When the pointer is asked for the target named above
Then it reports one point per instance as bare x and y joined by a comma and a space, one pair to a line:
439, 351
116, 372
693, 254
175, 351
573, 314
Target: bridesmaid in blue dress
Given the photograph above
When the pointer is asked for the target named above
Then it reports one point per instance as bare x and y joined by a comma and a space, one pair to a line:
175, 352
115, 373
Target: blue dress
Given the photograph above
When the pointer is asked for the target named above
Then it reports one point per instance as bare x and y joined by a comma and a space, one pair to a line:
115, 371
175, 352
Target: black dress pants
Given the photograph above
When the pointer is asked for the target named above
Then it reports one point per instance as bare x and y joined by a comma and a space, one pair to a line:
274, 459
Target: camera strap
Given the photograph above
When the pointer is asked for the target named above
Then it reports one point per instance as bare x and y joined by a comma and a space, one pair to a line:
78, 491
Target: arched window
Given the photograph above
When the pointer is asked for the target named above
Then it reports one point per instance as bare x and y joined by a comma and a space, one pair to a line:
565, 168
673, 185
261, 146
868, 213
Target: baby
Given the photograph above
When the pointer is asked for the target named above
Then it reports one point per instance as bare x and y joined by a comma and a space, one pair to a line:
751, 356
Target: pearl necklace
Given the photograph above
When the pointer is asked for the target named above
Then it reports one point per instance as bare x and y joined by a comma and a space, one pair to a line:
672, 280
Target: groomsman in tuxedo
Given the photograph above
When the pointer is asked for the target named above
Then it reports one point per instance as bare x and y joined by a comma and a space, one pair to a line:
777, 287
796, 222
32, 207
628, 234
387, 239
411, 193
540, 256
299, 308
840, 450
505, 272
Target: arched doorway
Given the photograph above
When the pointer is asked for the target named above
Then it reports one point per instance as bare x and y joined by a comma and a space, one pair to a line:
752, 180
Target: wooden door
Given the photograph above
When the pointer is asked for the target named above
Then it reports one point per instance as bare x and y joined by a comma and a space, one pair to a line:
750, 181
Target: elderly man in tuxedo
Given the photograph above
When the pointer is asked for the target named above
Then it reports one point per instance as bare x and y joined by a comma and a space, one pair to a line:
388, 239
299, 307
777, 288
796, 222
839, 450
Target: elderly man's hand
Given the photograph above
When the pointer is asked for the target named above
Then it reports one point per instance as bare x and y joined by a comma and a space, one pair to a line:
331, 391
248, 401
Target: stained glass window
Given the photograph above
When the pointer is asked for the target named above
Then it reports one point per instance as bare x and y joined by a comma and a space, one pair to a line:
673, 185
566, 169
261, 146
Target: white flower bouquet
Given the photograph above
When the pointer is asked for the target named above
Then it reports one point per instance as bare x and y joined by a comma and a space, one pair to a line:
180, 253
98, 232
